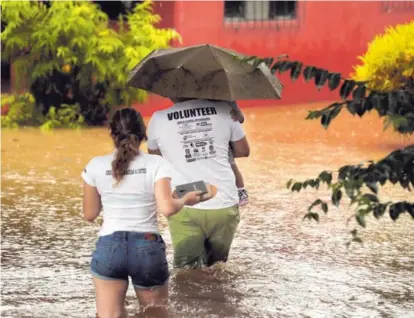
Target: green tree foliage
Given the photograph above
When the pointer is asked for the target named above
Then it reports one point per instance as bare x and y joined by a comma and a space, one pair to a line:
360, 183
68, 54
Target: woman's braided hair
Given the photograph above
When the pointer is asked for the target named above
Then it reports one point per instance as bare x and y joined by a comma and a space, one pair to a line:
127, 131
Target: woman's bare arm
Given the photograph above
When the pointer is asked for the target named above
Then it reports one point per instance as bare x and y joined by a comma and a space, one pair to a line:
91, 202
168, 205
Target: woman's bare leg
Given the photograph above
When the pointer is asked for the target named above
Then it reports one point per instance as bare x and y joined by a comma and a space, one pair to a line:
153, 301
110, 297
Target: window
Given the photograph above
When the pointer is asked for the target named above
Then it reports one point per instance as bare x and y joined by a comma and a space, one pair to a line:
234, 9
282, 10
260, 10
402, 5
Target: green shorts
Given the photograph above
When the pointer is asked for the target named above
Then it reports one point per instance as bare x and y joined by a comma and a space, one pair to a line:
202, 237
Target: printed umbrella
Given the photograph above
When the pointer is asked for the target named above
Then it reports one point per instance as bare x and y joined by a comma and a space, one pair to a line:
204, 72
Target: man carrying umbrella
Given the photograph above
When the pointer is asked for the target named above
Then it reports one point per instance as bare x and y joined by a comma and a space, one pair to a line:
194, 136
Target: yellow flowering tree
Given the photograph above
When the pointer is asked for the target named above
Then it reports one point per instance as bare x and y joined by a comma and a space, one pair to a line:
68, 54
383, 82
388, 63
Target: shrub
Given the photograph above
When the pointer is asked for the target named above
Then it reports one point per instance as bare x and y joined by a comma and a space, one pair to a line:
67, 116
68, 54
20, 110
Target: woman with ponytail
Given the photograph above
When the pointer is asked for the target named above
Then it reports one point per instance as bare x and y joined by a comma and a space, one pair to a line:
129, 187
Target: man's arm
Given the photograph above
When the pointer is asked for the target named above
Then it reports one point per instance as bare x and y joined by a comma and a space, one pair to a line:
152, 144
240, 148
238, 140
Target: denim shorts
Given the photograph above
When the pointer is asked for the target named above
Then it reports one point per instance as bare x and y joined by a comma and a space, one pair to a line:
140, 256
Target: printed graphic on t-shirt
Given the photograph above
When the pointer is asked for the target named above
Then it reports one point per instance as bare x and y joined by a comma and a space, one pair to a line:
195, 129
129, 171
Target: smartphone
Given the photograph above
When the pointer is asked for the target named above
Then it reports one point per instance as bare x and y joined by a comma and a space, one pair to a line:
190, 187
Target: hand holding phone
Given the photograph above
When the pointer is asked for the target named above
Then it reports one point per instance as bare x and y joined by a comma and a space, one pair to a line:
205, 191
183, 189
192, 198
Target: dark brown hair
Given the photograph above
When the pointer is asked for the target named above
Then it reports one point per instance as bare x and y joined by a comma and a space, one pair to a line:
127, 131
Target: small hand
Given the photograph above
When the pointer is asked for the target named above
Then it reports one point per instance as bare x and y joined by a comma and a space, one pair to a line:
192, 198
237, 115
210, 193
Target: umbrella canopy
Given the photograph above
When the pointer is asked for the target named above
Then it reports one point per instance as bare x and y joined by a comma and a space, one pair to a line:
204, 72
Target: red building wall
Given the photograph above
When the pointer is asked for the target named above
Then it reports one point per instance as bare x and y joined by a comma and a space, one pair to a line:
326, 34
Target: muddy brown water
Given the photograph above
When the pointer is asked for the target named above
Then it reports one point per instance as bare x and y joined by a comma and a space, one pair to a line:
280, 266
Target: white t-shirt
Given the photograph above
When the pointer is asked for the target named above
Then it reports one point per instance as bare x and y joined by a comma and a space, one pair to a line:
129, 206
194, 136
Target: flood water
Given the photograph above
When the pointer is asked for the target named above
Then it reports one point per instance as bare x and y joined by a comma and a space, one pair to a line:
280, 266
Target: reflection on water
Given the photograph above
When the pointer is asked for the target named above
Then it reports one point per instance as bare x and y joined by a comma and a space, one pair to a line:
280, 266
